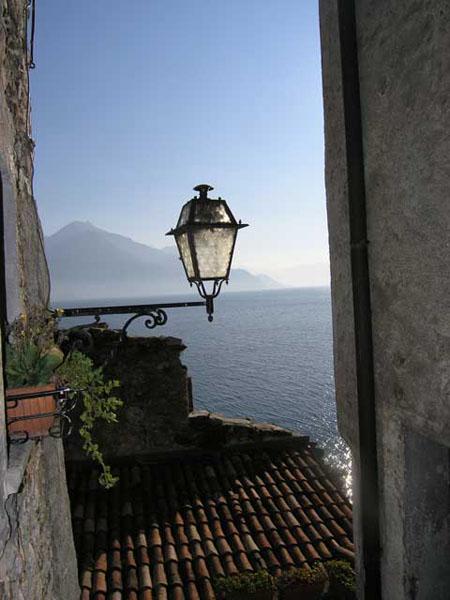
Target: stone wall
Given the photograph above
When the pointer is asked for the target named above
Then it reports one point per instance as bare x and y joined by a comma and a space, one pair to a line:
27, 275
154, 388
37, 558
403, 49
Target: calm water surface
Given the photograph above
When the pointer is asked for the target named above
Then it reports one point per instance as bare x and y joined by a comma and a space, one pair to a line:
267, 355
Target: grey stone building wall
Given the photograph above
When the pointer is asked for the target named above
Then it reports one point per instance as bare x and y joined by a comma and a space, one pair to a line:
27, 275
403, 51
37, 558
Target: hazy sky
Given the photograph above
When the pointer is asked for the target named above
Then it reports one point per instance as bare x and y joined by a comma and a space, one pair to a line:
136, 101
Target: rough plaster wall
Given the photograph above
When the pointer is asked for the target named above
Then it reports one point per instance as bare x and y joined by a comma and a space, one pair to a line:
405, 85
338, 230
403, 48
427, 502
28, 281
4, 519
339, 236
37, 558
38, 561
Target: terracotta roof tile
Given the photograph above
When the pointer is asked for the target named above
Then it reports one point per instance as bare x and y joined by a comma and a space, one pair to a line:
168, 529
115, 580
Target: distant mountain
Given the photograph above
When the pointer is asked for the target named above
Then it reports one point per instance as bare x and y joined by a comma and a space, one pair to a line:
89, 263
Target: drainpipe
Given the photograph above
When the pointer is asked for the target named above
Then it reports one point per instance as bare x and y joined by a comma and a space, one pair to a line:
369, 499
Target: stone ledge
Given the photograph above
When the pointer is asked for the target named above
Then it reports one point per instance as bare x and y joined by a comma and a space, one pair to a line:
212, 430
200, 419
19, 455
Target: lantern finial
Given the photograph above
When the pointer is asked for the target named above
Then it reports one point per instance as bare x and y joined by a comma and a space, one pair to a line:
203, 189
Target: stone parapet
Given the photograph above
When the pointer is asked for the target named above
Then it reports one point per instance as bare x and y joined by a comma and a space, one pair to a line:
209, 429
154, 388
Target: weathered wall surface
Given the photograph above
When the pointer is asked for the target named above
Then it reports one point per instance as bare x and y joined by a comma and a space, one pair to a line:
37, 558
427, 492
154, 389
403, 50
27, 277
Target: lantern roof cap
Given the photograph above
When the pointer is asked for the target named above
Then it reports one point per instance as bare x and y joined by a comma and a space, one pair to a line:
203, 189
205, 213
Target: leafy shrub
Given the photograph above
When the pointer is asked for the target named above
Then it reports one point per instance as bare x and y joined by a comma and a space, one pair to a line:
79, 372
316, 574
245, 583
342, 580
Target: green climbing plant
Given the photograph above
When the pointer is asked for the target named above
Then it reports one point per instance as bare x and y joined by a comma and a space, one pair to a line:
99, 403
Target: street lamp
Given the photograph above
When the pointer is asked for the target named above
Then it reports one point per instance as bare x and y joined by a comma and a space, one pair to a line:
205, 236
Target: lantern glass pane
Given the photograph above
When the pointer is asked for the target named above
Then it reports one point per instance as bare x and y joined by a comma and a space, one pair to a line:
184, 215
211, 211
185, 253
214, 246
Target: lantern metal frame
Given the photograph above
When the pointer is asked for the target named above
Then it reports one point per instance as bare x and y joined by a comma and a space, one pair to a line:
189, 227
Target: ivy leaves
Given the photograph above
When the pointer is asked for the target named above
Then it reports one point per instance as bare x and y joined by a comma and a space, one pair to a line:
99, 404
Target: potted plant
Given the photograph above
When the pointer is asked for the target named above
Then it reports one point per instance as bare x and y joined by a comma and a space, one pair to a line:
302, 583
30, 363
36, 365
246, 586
342, 580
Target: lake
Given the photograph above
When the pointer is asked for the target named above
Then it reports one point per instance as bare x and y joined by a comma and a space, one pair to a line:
267, 355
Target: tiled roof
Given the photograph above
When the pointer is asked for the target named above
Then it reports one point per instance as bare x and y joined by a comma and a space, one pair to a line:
167, 530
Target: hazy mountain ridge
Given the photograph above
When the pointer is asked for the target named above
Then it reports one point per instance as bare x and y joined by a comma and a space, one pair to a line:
88, 263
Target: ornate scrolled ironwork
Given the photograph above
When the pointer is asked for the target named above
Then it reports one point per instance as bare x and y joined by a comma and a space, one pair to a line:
154, 318
155, 313
80, 338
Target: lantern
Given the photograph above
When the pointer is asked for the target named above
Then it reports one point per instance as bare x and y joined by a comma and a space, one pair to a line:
206, 235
